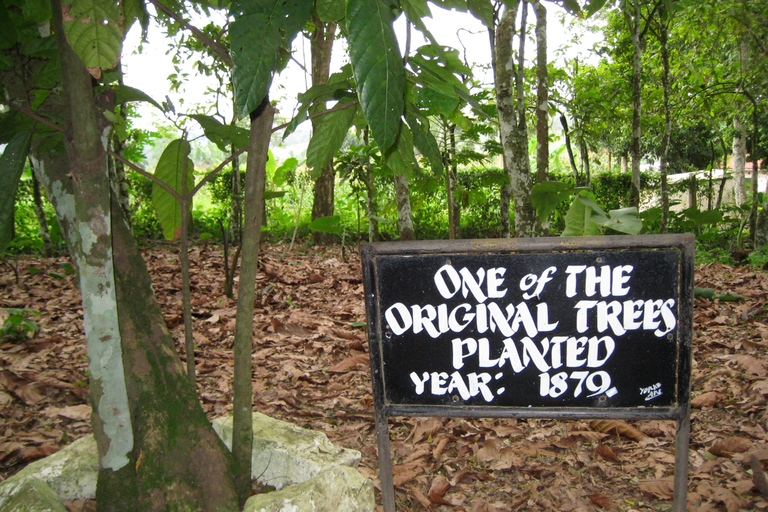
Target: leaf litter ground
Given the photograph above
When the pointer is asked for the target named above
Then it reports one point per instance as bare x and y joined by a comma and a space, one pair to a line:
311, 368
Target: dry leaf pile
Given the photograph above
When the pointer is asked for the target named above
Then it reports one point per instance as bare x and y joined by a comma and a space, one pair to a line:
311, 368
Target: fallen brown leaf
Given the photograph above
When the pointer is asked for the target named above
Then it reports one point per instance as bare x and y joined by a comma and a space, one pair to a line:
661, 488
350, 363
617, 427
601, 500
607, 453
437, 490
730, 445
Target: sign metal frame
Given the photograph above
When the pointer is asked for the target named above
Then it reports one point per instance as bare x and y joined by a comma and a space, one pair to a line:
679, 411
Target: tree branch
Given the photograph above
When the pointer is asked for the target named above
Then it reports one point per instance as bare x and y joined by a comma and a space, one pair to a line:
215, 46
317, 114
37, 117
150, 177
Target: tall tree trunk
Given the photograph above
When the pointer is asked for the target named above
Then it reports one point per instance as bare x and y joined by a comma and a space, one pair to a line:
505, 191
542, 94
510, 102
42, 221
157, 450
372, 208
663, 36
624, 164
739, 161
255, 184
584, 151
633, 18
403, 199
569, 150
451, 175
236, 189
761, 228
321, 41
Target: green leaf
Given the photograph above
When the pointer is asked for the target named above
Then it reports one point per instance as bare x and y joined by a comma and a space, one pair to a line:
331, 129
9, 35
94, 30
281, 173
49, 74
330, 10
592, 6
222, 134
578, 220
136, 10
125, 94
424, 140
378, 67
259, 33
11, 167
171, 170
572, 6
327, 225
624, 220
37, 11
482, 10
399, 158
548, 195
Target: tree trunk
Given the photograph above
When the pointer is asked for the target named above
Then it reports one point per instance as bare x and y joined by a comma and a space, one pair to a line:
43, 231
584, 151
542, 94
372, 208
569, 150
236, 188
739, 161
157, 450
663, 37
510, 102
624, 164
633, 19
761, 230
403, 199
255, 184
321, 41
451, 175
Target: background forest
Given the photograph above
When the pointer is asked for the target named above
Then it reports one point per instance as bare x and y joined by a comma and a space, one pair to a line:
670, 88
655, 132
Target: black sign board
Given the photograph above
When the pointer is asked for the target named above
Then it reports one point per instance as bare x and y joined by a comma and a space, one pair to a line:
547, 327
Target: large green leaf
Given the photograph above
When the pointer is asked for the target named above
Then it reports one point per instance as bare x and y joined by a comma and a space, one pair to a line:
424, 140
125, 94
482, 10
329, 134
623, 220
330, 10
36, 11
378, 67
548, 195
11, 167
222, 134
400, 158
94, 30
171, 170
578, 220
261, 31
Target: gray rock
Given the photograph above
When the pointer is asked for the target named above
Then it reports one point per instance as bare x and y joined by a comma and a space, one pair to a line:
340, 489
71, 472
34, 495
284, 454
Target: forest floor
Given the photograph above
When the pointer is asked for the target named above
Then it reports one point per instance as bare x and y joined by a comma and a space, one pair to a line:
311, 367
